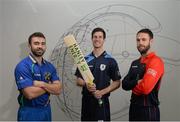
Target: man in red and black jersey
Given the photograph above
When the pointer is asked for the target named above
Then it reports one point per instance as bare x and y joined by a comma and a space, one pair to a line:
144, 78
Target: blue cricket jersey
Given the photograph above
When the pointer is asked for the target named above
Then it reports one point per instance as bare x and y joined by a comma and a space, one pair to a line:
104, 69
29, 70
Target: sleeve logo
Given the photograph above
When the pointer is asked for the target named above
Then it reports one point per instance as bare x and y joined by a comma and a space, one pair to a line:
152, 72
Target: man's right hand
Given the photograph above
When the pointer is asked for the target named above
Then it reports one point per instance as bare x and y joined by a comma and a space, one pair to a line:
91, 87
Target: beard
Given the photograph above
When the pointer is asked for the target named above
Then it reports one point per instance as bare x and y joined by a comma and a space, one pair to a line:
38, 52
143, 51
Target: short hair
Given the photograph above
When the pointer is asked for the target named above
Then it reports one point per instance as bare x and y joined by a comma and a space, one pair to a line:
36, 34
98, 29
146, 30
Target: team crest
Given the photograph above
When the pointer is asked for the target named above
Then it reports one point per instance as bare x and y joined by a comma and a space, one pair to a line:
47, 76
102, 67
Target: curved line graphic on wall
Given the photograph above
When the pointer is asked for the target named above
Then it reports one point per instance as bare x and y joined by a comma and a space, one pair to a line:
121, 22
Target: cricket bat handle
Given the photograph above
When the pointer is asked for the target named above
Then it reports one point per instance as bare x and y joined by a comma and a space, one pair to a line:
100, 102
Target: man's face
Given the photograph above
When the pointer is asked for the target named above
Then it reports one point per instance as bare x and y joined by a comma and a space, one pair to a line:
98, 40
38, 46
143, 43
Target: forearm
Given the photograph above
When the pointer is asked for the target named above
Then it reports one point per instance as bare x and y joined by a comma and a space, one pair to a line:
113, 86
33, 92
53, 88
128, 84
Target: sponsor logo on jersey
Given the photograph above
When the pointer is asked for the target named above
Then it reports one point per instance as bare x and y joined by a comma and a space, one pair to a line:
135, 66
21, 78
152, 72
39, 75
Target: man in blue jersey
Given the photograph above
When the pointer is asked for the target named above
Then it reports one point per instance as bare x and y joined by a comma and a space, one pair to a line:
36, 79
95, 102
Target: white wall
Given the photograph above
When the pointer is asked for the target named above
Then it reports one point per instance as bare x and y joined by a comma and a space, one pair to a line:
20, 18
1, 44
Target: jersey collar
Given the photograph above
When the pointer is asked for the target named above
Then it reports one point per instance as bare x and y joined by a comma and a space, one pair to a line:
103, 54
34, 60
148, 56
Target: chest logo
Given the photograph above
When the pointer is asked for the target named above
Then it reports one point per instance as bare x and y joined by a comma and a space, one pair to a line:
102, 67
47, 76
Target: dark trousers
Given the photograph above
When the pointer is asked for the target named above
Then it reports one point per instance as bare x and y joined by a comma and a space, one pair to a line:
144, 113
92, 111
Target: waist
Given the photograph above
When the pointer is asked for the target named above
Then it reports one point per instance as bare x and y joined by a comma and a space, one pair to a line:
144, 100
41, 101
35, 106
32, 105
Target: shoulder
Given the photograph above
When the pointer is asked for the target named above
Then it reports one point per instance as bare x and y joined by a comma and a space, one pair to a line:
156, 63
110, 58
23, 65
89, 57
23, 62
136, 61
156, 60
49, 65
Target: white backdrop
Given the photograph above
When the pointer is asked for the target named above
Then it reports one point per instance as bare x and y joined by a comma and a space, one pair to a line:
55, 18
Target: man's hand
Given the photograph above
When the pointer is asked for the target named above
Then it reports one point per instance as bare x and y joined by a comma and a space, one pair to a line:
91, 87
98, 94
38, 83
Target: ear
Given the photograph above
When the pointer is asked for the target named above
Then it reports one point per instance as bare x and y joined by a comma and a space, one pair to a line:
151, 41
29, 46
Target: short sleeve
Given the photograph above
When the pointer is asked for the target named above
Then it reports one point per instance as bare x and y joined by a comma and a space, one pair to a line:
114, 71
54, 76
23, 76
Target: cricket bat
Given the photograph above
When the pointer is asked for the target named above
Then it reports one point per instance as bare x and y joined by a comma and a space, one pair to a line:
80, 61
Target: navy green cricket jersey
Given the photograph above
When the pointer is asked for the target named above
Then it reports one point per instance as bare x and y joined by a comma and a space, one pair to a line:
29, 70
104, 69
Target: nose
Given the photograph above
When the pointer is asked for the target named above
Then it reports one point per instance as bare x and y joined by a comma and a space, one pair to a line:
140, 41
40, 46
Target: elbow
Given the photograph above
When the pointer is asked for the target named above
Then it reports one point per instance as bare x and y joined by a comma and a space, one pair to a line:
146, 91
58, 92
125, 87
29, 96
80, 84
77, 84
119, 84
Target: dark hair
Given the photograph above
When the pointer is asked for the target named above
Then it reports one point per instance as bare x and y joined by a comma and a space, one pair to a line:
146, 30
36, 34
98, 30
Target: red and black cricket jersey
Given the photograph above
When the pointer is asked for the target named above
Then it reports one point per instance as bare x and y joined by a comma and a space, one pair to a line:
145, 93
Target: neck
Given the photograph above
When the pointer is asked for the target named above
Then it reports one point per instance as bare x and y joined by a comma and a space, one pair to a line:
144, 55
98, 51
38, 59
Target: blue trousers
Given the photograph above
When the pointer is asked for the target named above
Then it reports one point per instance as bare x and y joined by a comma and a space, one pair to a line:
34, 113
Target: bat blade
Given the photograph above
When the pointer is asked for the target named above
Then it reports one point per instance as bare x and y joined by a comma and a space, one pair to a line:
78, 58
